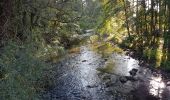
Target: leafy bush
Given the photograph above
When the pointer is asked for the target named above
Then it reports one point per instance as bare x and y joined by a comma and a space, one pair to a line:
20, 69
166, 65
150, 53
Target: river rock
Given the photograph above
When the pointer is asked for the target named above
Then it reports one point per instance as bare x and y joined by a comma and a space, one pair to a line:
84, 61
123, 79
133, 72
109, 84
92, 86
106, 77
113, 79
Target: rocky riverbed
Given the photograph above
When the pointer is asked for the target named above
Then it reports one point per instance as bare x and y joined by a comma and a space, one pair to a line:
86, 74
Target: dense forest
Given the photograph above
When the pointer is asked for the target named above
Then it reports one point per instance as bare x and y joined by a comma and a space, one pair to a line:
147, 26
34, 33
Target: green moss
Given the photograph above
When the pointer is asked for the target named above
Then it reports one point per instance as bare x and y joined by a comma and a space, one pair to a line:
108, 67
106, 48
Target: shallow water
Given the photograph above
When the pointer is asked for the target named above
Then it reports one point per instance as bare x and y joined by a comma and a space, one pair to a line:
86, 74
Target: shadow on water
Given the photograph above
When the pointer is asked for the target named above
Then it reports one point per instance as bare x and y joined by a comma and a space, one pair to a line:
103, 72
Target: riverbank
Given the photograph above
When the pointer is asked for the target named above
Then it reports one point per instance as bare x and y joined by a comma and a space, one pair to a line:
144, 62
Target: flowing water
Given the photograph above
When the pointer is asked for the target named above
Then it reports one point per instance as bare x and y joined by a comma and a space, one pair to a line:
88, 74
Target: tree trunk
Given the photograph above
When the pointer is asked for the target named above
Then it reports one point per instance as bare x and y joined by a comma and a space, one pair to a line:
127, 22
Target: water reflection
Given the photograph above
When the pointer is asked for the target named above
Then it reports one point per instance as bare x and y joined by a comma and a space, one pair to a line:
132, 63
124, 64
156, 86
87, 67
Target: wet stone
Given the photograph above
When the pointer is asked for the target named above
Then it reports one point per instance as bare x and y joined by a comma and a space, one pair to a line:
123, 79
105, 59
92, 86
168, 83
84, 61
113, 79
133, 72
109, 84
106, 77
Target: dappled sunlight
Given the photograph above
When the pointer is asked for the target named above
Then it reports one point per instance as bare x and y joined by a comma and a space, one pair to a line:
159, 55
113, 26
106, 48
156, 86
84, 49
87, 71
132, 63
74, 50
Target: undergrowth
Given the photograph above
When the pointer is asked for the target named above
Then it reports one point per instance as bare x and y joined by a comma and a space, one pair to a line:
19, 69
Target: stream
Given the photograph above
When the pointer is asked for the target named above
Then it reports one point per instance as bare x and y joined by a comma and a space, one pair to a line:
86, 74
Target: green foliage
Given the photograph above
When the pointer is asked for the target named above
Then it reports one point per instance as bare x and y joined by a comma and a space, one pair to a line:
149, 53
39, 30
94, 38
92, 15
42, 30
166, 65
114, 21
147, 26
107, 48
22, 69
